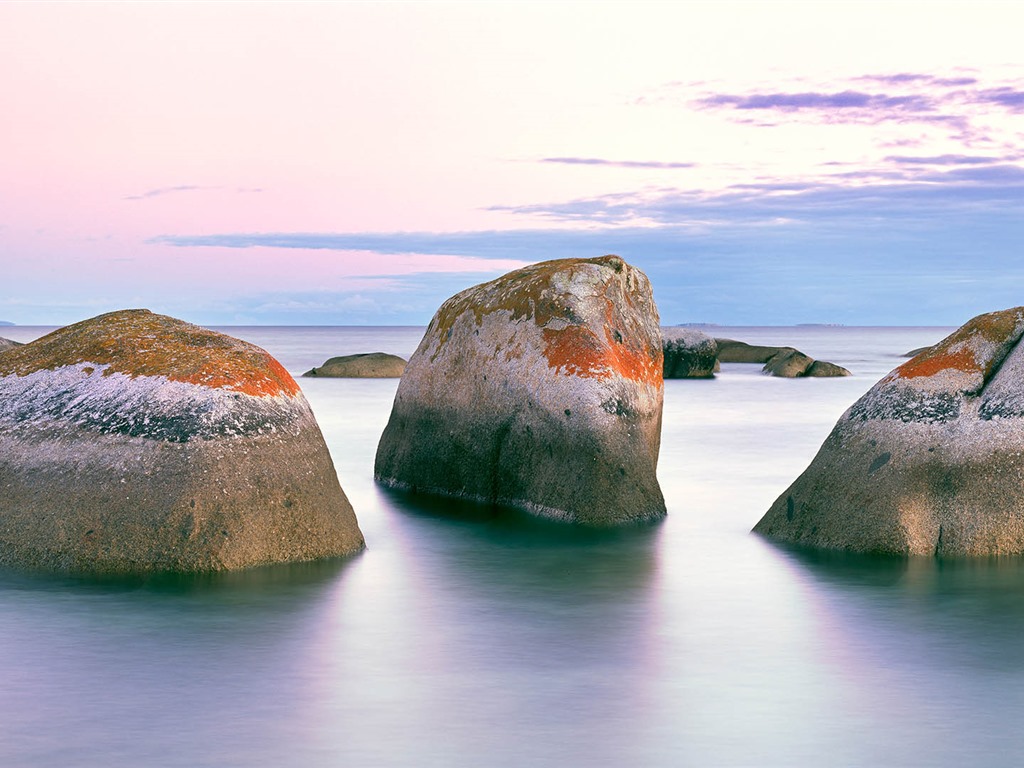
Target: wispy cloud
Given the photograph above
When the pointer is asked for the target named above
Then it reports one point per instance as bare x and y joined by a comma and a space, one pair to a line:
616, 163
919, 78
167, 191
962, 103
842, 100
875, 199
1011, 98
159, 192
944, 160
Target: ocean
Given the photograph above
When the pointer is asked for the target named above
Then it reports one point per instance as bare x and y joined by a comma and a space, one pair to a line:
464, 636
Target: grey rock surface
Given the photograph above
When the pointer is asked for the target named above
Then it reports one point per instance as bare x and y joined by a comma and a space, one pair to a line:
822, 369
134, 442
371, 365
929, 462
785, 362
788, 363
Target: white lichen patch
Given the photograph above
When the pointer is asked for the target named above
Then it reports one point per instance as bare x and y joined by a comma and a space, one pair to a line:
91, 396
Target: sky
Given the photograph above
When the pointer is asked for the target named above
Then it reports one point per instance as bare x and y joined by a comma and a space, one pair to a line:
765, 163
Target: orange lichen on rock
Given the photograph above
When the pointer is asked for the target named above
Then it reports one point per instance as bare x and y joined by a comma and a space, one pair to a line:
635, 364
577, 351
138, 342
572, 346
977, 347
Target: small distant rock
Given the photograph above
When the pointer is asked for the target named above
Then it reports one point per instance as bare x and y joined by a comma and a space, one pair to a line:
689, 354
788, 363
134, 442
823, 369
372, 365
732, 351
785, 362
929, 461
916, 352
542, 390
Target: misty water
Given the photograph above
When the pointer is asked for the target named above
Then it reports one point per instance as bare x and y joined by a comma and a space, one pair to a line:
466, 636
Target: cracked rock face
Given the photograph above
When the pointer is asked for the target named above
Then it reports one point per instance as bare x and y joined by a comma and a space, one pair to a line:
929, 462
134, 442
541, 390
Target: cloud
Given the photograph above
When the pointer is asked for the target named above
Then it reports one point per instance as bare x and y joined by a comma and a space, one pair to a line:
841, 100
919, 78
943, 160
166, 191
1005, 96
616, 163
875, 199
962, 103
186, 188
405, 244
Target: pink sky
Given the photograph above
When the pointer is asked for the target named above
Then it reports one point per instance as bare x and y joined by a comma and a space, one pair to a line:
128, 122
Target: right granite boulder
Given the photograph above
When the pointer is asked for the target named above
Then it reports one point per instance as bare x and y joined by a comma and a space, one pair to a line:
929, 462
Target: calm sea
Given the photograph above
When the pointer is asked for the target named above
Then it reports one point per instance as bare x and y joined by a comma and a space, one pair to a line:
464, 637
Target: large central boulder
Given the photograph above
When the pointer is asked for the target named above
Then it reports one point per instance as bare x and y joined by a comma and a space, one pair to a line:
929, 462
134, 442
541, 390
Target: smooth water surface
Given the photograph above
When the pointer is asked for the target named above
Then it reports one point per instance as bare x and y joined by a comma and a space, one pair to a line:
469, 637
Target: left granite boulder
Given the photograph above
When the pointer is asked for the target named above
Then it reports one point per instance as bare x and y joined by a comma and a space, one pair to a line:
134, 442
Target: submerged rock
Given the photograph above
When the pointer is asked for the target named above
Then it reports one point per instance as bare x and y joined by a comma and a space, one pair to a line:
785, 362
929, 461
689, 354
371, 365
542, 390
788, 363
732, 351
823, 369
134, 442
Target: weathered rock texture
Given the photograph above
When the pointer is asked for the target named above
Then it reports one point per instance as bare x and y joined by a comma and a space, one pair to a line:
372, 365
542, 390
929, 462
689, 354
6, 344
785, 362
134, 442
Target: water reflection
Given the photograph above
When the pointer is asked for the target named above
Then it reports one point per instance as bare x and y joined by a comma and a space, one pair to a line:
263, 580
491, 632
921, 648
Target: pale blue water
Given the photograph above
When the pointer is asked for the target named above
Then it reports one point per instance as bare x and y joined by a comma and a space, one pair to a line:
465, 638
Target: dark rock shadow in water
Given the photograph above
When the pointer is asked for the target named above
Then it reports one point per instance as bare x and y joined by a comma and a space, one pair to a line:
513, 551
966, 611
262, 580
